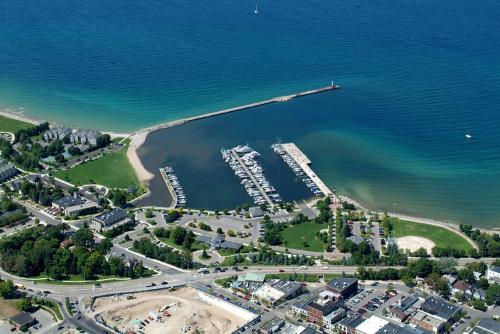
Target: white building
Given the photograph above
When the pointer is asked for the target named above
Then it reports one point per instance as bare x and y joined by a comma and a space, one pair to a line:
371, 325
276, 291
493, 274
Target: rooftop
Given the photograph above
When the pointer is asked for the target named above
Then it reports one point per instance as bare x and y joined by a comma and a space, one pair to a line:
68, 201
341, 283
111, 216
439, 307
371, 325
21, 319
495, 269
253, 277
486, 326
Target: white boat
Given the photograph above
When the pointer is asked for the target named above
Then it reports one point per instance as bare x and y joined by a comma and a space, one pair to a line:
256, 11
468, 136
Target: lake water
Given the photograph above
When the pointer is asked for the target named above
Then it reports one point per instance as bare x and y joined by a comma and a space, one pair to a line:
416, 77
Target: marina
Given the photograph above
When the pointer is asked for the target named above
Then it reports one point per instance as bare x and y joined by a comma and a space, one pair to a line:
174, 187
242, 160
299, 163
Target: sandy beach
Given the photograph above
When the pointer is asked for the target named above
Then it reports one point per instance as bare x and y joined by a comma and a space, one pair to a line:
136, 141
18, 115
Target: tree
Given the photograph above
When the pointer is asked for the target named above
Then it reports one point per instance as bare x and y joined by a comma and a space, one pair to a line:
493, 295
231, 233
422, 267
7, 289
478, 305
84, 238
220, 231
466, 275
24, 304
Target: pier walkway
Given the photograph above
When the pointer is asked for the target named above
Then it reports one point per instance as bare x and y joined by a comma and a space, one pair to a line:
303, 161
170, 188
262, 192
230, 110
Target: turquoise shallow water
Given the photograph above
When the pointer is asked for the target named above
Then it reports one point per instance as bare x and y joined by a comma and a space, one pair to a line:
416, 77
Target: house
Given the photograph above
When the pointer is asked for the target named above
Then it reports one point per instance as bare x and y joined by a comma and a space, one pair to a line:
493, 274
22, 320
479, 294
109, 220
218, 241
276, 291
255, 212
462, 287
332, 318
371, 325
407, 302
451, 279
273, 326
398, 314
486, 326
344, 286
326, 302
7, 170
66, 243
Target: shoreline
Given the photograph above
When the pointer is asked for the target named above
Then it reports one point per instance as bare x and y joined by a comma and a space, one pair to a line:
137, 139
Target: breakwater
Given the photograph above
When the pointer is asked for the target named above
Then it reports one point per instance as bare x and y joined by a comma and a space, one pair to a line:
234, 109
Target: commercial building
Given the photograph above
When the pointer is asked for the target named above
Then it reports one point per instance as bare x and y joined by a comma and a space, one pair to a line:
276, 291
109, 220
349, 323
218, 241
22, 320
82, 209
439, 308
7, 170
343, 286
371, 325
427, 322
326, 303
256, 212
66, 202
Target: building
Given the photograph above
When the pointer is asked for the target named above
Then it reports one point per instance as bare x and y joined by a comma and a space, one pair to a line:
344, 286
109, 220
332, 318
427, 322
493, 274
371, 325
439, 308
22, 320
85, 208
219, 241
462, 287
7, 170
276, 291
66, 202
256, 212
85, 137
57, 132
348, 324
326, 302
278, 325
486, 326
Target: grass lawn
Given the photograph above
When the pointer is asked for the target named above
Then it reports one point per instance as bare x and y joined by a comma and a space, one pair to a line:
440, 236
12, 125
54, 310
112, 170
302, 277
295, 235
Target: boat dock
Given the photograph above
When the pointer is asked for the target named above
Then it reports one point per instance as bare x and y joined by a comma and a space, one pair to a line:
243, 107
303, 162
175, 189
250, 175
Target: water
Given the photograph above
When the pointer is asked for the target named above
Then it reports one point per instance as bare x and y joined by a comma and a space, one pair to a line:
416, 77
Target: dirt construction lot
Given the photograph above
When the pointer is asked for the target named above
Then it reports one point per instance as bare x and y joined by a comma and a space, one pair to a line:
181, 311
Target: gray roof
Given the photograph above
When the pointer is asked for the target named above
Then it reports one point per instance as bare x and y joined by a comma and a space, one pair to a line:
356, 239
68, 201
352, 321
495, 269
487, 326
275, 323
22, 319
389, 328
341, 283
112, 216
256, 212
439, 307
219, 240
309, 330
407, 302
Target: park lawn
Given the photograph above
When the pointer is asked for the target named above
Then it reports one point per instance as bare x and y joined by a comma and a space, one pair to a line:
12, 125
295, 235
440, 236
54, 309
112, 170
